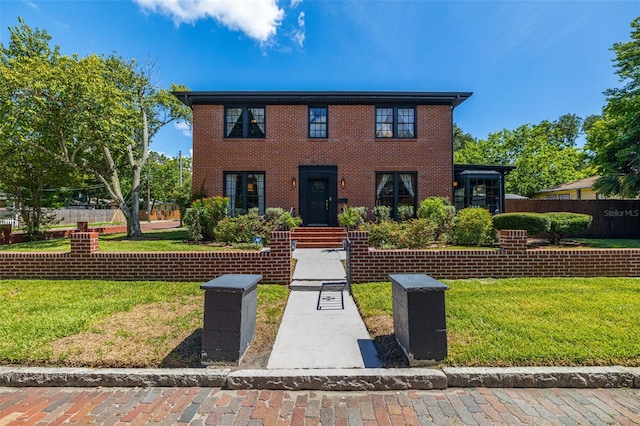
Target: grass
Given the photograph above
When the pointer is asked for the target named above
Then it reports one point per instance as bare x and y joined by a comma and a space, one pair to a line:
114, 324
608, 243
531, 321
154, 241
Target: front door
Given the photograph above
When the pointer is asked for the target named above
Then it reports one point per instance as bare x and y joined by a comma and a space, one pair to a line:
318, 201
318, 195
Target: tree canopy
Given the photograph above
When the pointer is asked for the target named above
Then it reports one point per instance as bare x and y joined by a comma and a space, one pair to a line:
544, 154
95, 114
614, 138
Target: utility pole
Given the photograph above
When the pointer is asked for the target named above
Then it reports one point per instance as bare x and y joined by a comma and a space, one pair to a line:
180, 165
148, 190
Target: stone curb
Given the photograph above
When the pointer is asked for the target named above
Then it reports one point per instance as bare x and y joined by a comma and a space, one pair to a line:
112, 377
367, 379
544, 377
326, 379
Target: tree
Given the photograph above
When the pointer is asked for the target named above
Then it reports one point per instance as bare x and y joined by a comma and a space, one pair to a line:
99, 113
164, 173
543, 154
614, 139
28, 176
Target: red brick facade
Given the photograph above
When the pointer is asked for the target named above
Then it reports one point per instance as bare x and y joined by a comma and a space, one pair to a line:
85, 261
351, 145
513, 259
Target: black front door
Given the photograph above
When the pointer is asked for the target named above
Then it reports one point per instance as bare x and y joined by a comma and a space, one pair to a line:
318, 201
318, 195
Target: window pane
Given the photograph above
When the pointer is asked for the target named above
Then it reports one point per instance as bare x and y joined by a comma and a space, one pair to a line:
233, 125
384, 189
384, 122
317, 122
256, 127
406, 122
406, 189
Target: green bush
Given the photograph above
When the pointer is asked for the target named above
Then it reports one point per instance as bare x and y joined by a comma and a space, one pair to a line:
418, 233
415, 233
473, 227
563, 224
204, 215
440, 212
533, 223
405, 212
242, 229
279, 220
386, 234
352, 218
381, 213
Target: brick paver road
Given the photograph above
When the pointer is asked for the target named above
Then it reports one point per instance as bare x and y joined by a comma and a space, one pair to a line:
214, 406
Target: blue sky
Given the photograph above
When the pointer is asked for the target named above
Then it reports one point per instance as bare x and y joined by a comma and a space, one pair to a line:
525, 61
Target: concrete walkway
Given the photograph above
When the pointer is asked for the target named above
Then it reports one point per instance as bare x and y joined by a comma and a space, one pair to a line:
333, 337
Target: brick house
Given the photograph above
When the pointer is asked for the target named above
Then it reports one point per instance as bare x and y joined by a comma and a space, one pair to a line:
315, 152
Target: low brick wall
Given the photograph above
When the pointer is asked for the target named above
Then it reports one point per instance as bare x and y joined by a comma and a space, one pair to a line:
513, 259
85, 261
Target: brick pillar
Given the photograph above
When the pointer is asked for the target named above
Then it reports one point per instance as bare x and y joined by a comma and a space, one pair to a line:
5, 234
278, 271
84, 243
513, 239
359, 255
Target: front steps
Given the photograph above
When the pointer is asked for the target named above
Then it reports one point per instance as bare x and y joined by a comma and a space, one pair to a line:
318, 237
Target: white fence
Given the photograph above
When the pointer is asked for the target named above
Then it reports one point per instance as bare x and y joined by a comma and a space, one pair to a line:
9, 220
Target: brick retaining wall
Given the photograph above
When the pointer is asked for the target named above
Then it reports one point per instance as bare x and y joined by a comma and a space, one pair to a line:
513, 259
85, 261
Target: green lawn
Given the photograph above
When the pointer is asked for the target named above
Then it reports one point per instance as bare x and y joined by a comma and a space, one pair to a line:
157, 240
533, 321
105, 317
609, 243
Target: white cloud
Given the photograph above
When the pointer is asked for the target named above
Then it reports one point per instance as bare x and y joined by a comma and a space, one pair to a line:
294, 3
183, 127
299, 34
259, 19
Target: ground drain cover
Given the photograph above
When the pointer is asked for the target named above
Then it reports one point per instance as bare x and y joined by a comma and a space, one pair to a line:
331, 296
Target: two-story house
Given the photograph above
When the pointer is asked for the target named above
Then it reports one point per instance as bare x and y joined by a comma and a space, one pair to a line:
315, 152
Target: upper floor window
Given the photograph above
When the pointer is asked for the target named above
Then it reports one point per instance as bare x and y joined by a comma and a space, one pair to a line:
395, 122
244, 122
317, 122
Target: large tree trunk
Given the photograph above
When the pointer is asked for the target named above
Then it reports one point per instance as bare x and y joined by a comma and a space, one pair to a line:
133, 220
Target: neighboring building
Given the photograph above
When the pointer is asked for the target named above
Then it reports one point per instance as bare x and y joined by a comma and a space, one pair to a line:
480, 186
579, 190
314, 152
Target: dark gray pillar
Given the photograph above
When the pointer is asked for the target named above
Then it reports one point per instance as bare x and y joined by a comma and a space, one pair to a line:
419, 318
229, 317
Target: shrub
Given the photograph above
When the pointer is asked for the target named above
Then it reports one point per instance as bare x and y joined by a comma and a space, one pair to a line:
386, 234
418, 233
473, 227
204, 215
405, 212
279, 220
242, 229
352, 218
533, 223
381, 213
440, 212
563, 224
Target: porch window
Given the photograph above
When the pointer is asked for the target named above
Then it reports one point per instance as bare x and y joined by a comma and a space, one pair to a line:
317, 122
395, 189
245, 191
395, 122
244, 122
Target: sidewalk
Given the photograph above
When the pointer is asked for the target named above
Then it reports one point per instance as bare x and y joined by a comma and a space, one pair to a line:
199, 406
331, 338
